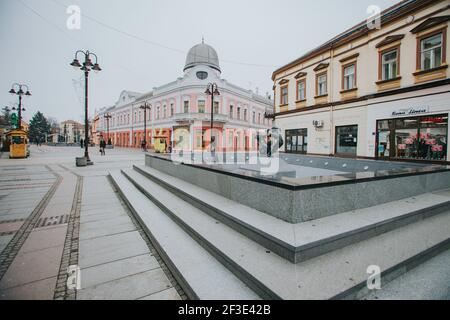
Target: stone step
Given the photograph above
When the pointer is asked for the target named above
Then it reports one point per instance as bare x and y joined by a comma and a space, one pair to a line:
303, 241
200, 275
340, 273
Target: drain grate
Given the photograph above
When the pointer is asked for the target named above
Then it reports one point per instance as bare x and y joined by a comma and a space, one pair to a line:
52, 221
12, 221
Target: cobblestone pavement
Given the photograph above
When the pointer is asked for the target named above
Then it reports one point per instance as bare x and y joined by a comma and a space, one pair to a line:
55, 217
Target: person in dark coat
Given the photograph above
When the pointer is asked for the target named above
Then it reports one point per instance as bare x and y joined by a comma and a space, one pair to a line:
82, 143
269, 146
102, 147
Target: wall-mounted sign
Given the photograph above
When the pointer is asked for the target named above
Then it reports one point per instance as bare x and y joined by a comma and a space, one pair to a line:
410, 111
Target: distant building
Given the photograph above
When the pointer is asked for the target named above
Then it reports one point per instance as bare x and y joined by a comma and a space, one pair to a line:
183, 104
71, 131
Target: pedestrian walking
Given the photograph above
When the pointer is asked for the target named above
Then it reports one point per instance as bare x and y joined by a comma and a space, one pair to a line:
82, 143
102, 147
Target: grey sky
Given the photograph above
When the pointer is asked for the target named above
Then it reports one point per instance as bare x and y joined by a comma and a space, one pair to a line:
266, 33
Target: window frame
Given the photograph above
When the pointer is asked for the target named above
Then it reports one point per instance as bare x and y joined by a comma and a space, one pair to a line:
204, 106
304, 89
422, 37
286, 86
343, 82
186, 104
380, 62
317, 84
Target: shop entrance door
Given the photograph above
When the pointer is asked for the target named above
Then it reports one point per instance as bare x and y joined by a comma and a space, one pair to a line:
347, 141
297, 141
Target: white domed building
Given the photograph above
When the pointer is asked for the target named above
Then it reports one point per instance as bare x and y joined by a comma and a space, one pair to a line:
182, 107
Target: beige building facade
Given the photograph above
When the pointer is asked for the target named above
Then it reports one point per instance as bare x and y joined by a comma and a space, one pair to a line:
378, 93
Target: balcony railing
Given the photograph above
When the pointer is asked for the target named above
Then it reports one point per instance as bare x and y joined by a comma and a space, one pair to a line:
200, 117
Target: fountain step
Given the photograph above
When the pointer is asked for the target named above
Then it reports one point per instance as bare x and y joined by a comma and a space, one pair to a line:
337, 274
200, 275
306, 240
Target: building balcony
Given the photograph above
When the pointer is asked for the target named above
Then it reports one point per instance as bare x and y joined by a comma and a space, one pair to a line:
185, 117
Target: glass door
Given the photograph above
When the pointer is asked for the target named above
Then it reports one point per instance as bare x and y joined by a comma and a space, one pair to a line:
297, 141
347, 140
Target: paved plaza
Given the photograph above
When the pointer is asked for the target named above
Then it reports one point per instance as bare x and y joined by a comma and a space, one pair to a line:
66, 233
55, 218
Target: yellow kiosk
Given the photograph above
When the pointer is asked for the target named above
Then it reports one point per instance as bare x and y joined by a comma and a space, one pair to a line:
19, 144
160, 144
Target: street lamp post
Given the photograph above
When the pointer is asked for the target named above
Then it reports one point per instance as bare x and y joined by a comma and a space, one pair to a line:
107, 117
86, 67
20, 93
146, 106
212, 90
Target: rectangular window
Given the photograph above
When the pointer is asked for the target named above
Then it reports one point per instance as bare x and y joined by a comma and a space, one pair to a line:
245, 114
301, 90
171, 109
322, 85
165, 112
259, 118
254, 117
239, 113
231, 111
186, 106
157, 113
284, 95
216, 107
389, 65
201, 106
349, 77
431, 52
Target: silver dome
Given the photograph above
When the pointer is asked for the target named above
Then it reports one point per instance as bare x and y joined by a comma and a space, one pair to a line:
202, 54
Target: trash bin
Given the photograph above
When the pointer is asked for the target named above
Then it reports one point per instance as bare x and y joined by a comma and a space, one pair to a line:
81, 162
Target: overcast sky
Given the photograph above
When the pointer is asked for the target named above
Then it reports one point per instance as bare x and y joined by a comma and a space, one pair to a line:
143, 43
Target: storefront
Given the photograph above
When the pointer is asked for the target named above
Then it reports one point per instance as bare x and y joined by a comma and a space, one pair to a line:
346, 141
413, 138
297, 141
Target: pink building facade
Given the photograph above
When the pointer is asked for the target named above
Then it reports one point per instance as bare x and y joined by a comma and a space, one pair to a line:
180, 111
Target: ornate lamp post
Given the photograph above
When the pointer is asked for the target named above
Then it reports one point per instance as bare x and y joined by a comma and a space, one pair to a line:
108, 117
146, 106
86, 67
20, 93
212, 90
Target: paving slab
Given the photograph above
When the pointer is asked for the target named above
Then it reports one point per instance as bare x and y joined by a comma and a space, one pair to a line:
32, 266
116, 270
111, 248
97, 229
39, 290
10, 227
44, 238
129, 288
169, 294
101, 216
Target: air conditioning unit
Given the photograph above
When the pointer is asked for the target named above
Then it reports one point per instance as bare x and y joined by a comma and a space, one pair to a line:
318, 123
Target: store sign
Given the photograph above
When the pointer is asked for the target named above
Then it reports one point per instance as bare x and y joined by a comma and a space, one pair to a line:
410, 112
